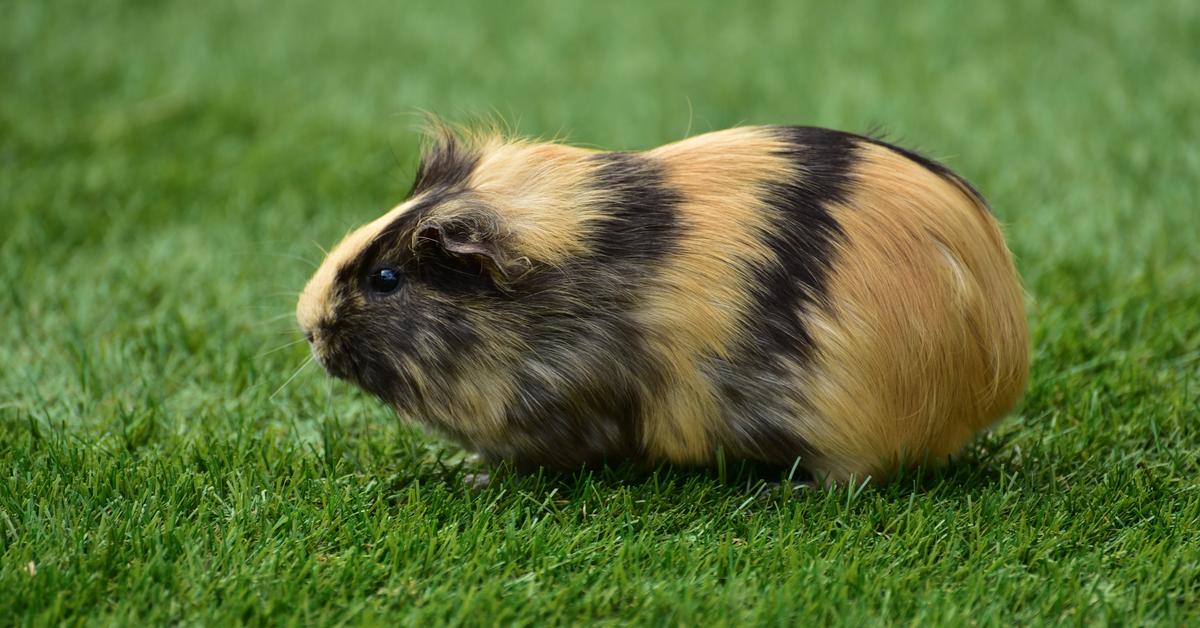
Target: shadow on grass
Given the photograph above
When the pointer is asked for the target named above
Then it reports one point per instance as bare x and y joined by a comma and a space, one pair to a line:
985, 465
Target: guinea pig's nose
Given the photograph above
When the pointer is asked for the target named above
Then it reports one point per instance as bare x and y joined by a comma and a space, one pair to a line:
308, 335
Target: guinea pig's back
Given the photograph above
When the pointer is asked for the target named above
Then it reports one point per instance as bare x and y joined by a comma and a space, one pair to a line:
857, 302
922, 340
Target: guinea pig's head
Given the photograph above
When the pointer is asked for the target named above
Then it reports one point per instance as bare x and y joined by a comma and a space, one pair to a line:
440, 304
405, 297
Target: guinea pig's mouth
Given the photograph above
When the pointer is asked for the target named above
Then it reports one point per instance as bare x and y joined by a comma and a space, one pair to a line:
333, 367
342, 362
342, 356
325, 346
320, 360
323, 353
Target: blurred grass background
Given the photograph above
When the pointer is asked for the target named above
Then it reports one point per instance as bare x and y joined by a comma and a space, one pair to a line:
168, 170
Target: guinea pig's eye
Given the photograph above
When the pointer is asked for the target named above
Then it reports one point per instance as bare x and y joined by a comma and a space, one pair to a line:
384, 280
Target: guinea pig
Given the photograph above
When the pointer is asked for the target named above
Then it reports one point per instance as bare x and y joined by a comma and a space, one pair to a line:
775, 294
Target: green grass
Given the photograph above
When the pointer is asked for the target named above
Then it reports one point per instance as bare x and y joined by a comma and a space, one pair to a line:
168, 169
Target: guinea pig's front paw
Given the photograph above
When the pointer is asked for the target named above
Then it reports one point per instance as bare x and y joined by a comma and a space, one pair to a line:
769, 490
477, 481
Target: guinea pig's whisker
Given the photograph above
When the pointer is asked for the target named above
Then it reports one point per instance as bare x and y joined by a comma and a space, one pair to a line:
321, 248
277, 334
280, 348
279, 316
291, 256
275, 319
278, 328
289, 380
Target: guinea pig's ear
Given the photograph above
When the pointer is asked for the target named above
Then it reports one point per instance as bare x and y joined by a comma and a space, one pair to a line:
470, 243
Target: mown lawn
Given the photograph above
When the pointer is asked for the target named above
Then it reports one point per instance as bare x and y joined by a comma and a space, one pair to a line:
168, 170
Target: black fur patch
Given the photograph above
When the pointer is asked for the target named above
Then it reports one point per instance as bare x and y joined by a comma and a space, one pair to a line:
645, 224
628, 248
760, 417
802, 237
566, 430
446, 164
590, 415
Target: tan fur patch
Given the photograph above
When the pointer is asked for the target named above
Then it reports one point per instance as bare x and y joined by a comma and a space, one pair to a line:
693, 312
541, 192
925, 341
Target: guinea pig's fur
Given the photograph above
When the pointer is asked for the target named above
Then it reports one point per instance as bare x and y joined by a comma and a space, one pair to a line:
765, 293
